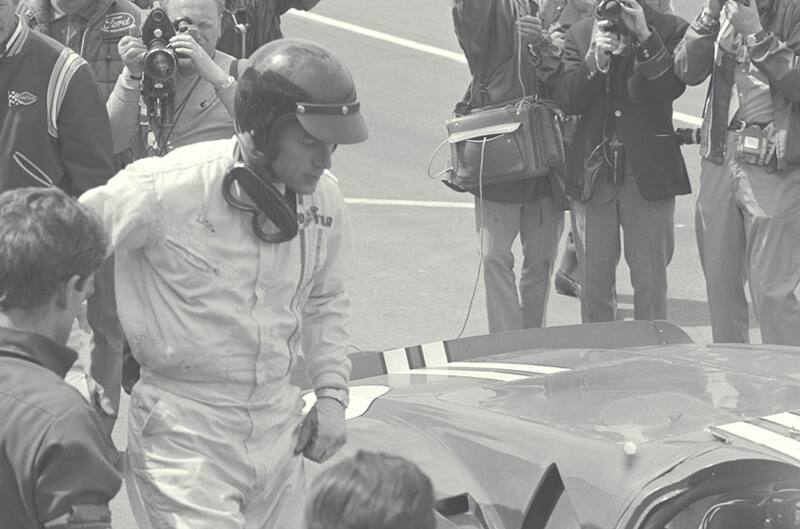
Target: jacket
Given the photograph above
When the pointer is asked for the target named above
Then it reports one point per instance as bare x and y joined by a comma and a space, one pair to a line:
495, 75
54, 128
263, 24
108, 22
774, 55
56, 454
645, 87
209, 310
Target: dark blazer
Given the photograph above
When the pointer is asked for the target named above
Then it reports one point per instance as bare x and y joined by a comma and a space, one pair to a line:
644, 87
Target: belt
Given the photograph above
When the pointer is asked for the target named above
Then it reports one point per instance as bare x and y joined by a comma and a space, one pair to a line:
738, 125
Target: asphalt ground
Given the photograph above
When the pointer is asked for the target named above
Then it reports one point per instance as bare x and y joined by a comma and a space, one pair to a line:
417, 258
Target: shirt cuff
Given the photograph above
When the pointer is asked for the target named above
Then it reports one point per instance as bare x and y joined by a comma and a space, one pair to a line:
130, 86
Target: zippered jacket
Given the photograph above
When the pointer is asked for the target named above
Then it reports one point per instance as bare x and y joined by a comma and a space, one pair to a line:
54, 129
699, 55
211, 311
109, 22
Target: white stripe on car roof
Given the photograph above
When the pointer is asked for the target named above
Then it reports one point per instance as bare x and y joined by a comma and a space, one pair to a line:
490, 375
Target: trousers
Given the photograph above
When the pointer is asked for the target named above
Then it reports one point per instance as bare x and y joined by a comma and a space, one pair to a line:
199, 464
747, 222
649, 243
539, 227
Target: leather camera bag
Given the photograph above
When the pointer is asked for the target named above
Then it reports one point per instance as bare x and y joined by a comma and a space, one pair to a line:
502, 142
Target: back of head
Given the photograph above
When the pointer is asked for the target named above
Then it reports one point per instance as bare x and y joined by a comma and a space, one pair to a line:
46, 237
371, 491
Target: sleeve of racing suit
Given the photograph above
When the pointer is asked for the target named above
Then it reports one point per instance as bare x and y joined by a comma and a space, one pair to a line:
778, 59
326, 314
76, 471
127, 206
84, 134
694, 55
123, 111
579, 80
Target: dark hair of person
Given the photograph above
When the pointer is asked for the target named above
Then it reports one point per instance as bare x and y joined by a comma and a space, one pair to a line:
46, 237
371, 491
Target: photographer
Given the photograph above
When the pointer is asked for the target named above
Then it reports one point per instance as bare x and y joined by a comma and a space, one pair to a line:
624, 166
747, 207
263, 19
204, 85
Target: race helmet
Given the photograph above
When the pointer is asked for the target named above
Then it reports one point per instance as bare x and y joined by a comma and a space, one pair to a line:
295, 78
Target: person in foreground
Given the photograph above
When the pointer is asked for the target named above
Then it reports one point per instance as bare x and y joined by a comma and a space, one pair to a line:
231, 261
59, 466
373, 490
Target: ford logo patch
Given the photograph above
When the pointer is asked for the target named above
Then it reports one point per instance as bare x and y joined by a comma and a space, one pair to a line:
117, 22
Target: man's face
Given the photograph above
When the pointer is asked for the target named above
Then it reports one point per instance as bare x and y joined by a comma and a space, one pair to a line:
70, 7
7, 19
300, 159
205, 18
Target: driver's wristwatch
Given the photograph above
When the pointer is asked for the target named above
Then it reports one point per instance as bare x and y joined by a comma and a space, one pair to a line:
340, 395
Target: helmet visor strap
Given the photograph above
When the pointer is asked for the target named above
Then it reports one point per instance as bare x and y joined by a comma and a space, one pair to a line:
268, 203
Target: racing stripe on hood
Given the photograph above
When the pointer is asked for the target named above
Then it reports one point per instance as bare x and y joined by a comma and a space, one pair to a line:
435, 359
773, 431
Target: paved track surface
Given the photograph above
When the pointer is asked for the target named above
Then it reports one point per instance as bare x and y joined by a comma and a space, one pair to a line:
417, 249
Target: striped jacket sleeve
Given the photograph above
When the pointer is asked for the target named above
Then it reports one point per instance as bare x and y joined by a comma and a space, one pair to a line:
77, 120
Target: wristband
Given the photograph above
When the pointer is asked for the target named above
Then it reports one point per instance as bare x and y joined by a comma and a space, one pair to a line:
340, 395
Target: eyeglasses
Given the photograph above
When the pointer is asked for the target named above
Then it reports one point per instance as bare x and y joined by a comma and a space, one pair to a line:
268, 203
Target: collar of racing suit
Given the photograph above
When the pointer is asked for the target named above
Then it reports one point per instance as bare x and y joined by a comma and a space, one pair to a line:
37, 348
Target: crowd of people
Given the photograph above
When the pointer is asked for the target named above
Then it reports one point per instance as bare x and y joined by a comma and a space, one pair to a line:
213, 241
617, 75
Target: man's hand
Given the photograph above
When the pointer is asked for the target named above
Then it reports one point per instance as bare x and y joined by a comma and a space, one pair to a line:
131, 51
185, 46
530, 29
606, 43
714, 7
744, 18
634, 20
323, 431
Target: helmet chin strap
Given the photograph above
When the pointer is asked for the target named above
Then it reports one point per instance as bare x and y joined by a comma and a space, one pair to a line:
279, 208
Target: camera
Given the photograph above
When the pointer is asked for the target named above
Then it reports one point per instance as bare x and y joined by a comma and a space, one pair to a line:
611, 11
160, 64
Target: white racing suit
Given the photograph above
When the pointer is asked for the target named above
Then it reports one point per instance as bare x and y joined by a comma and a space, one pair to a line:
217, 319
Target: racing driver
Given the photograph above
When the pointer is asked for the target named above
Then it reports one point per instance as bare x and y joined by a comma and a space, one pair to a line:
231, 257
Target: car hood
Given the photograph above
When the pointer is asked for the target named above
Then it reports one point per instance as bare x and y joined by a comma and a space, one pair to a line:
613, 419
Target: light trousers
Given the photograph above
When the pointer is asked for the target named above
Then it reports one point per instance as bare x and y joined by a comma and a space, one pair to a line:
748, 230
539, 227
193, 464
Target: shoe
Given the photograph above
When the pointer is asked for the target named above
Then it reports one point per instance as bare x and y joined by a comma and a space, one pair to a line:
567, 286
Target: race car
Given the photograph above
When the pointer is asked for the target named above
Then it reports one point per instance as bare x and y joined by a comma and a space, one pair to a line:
626, 425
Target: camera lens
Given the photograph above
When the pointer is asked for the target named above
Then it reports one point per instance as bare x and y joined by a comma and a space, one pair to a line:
157, 16
159, 64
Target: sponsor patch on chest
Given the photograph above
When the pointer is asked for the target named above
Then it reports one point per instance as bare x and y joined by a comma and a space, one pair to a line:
117, 23
313, 215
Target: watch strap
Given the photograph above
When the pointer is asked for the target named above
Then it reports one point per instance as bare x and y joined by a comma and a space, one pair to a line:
340, 395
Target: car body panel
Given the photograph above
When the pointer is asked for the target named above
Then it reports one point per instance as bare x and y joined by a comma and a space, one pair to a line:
622, 423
